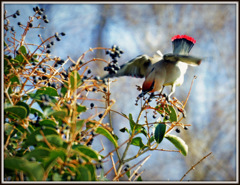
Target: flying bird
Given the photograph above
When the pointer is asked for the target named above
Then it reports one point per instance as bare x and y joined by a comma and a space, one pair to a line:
161, 70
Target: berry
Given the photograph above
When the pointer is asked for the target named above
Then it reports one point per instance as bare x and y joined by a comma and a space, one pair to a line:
14, 16
42, 9
92, 105
18, 12
19, 23
62, 33
48, 45
167, 117
100, 115
37, 8
52, 43
123, 129
104, 89
89, 71
58, 38
178, 130
30, 25
55, 65
44, 17
185, 128
34, 9
81, 62
93, 89
12, 29
46, 20
40, 12
48, 51
154, 116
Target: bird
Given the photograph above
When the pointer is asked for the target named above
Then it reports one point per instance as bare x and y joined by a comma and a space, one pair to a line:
161, 70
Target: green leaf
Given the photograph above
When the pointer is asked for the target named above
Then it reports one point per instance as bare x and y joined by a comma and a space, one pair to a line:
57, 177
58, 114
52, 158
92, 171
23, 50
178, 143
75, 80
55, 140
63, 91
39, 154
86, 151
107, 134
48, 123
128, 173
31, 139
131, 122
159, 132
134, 126
18, 111
172, 113
32, 111
81, 108
83, 174
33, 170
24, 105
137, 141
79, 124
47, 90
14, 79
139, 178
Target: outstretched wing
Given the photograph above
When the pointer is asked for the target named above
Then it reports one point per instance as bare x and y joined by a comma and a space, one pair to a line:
190, 60
136, 67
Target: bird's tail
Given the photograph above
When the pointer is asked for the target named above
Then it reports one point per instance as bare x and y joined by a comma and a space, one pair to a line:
182, 44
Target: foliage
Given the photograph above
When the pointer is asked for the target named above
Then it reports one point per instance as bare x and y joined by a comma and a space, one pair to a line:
48, 133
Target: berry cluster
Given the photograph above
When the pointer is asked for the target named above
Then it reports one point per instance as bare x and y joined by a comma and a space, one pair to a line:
114, 53
16, 14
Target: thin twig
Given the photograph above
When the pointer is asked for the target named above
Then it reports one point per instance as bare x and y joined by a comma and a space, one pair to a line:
193, 167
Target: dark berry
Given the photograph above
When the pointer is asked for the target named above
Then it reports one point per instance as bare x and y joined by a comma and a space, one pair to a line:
93, 89
92, 105
46, 20
40, 12
48, 45
52, 43
30, 25
62, 33
34, 9
123, 129
177, 130
167, 117
14, 16
186, 128
97, 78
44, 16
154, 116
48, 51
12, 28
19, 23
37, 8
107, 52
100, 115
55, 65
89, 71
58, 38
81, 62
42, 9
104, 89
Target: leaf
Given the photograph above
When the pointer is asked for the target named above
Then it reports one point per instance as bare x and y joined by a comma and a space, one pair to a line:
83, 174
81, 108
107, 134
24, 105
86, 151
79, 124
14, 79
47, 90
18, 111
137, 141
39, 154
92, 171
31, 139
172, 113
34, 170
55, 140
178, 143
159, 132
133, 125
48, 123
58, 114
139, 178
75, 80
32, 111
53, 156
23, 50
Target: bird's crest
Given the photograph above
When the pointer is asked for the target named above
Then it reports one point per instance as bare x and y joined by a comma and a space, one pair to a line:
182, 44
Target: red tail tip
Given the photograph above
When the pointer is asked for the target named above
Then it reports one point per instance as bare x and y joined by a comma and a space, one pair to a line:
184, 37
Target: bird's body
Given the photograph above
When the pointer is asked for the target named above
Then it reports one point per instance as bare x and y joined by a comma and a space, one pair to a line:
162, 70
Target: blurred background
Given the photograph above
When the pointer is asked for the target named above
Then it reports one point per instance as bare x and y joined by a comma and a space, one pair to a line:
144, 29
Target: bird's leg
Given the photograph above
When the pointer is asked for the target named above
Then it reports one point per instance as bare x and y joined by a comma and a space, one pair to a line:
172, 91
